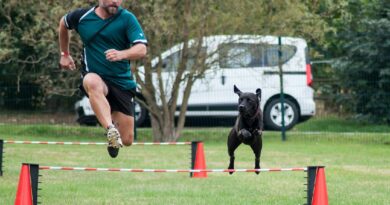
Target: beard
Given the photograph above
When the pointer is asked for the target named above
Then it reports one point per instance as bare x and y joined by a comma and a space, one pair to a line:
111, 9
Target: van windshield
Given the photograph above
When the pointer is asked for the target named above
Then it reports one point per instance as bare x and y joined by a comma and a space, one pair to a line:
239, 55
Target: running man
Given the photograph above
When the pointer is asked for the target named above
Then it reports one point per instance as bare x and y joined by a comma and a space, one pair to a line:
112, 36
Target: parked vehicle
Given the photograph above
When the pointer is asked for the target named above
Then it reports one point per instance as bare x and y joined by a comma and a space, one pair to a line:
250, 62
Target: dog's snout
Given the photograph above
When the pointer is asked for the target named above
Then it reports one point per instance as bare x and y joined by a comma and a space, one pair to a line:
241, 107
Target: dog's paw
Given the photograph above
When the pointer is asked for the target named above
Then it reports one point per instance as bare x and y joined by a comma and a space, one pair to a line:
231, 168
257, 172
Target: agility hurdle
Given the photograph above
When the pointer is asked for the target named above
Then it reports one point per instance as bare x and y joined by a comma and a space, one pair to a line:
90, 143
167, 170
197, 153
27, 192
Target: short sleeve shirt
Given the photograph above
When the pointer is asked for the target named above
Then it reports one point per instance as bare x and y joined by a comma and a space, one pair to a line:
120, 34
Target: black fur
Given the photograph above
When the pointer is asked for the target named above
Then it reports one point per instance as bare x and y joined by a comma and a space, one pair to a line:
248, 127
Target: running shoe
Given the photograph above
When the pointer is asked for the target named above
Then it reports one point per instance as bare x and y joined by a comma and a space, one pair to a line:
114, 141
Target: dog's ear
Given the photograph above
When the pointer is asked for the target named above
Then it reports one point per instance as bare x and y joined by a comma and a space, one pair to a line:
237, 91
258, 93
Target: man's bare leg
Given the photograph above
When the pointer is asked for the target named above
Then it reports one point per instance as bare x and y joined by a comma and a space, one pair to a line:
125, 125
97, 91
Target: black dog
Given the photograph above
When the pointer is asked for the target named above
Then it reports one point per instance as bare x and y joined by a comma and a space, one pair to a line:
249, 126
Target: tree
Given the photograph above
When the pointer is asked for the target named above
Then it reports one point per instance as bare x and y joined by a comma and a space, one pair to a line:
365, 68
29, 51
166, 23
169, 22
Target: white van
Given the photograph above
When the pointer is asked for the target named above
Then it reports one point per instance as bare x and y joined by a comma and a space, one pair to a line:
249, 62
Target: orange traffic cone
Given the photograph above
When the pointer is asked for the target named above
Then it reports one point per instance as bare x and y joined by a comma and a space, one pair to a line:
200, 162
320, 195
24, 192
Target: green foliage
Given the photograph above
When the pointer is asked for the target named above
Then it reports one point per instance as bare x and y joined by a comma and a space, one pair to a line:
365, 68
29, 53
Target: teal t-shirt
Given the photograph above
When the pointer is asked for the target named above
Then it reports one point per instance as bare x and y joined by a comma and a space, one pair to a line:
120, 34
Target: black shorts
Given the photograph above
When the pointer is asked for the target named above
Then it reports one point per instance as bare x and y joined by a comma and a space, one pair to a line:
119, 100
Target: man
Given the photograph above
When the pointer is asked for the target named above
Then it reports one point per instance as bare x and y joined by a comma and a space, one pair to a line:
111, 36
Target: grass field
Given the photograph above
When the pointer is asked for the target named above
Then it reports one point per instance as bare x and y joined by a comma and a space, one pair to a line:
357, 167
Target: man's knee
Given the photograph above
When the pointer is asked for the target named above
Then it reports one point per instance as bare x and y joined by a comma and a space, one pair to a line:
128, 141
93, 83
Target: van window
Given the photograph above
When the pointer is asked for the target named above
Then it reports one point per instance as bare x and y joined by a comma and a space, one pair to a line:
171, 63
242, 55
272, 53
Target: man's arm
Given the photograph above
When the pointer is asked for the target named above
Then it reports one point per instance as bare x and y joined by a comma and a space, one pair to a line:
66, 60
136, 52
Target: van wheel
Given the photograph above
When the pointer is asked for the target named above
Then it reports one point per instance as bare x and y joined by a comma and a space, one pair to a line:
140, 114
273, 114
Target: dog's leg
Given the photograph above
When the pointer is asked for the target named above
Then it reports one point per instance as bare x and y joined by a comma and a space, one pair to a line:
256, 147
232, 144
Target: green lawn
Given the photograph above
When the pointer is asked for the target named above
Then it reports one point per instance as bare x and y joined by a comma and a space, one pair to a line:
357, 168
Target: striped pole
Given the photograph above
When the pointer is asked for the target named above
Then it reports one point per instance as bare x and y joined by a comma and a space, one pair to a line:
91, 143
168, 170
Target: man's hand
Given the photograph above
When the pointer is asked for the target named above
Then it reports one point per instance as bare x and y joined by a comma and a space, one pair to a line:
114, 55
66, 62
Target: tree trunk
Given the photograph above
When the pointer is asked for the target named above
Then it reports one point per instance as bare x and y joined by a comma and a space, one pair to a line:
163, 132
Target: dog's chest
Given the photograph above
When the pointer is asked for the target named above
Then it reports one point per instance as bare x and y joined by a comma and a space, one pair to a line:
248, 124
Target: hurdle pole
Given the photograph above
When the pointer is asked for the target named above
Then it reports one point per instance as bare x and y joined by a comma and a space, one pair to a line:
1, 156
91, 169
34, 172
311, 175
90, 143
193, 154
